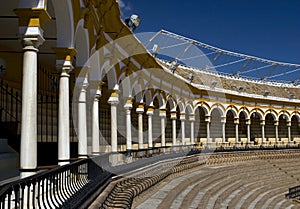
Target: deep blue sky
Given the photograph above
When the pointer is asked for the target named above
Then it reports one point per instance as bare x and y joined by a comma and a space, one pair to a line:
264, 28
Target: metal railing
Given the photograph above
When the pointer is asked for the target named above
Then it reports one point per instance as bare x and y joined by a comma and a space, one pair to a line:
68, 186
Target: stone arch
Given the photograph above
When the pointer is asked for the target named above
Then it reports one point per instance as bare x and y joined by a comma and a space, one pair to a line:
285, 114
220, 108
204, 106
64, 23
81, 44
296, 114
171, 101
189, 108
160, 97
181, 106
233, 109
257, 112
245, 111
272, 113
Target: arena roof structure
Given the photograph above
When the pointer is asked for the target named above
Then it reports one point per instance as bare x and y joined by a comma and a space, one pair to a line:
179, 50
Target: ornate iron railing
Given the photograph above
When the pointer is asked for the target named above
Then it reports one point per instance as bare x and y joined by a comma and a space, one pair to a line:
68, 186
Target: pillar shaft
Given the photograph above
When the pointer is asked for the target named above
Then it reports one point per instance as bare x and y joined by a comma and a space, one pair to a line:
162, 114
95, 124
248, 130
263, 134
150, 141
163, 136
174, 137
114, 101
140, 130
128, 129
140, 111
223, 132
236, 133
192, 132
182, 132
63, 119
82, 125
289, 132
276, 133
28, 150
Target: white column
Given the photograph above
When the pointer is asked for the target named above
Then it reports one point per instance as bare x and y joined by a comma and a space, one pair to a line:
174, 136
192, 120
64, 118
95, 125
182, 120
289, 131
223, 121
236, 122
207, 120
162, 115
276, 123
248, 123
31, 28
140, 111
150, 114
128, 107
82, 126
28, 150
114, 101
64, 64
262, 123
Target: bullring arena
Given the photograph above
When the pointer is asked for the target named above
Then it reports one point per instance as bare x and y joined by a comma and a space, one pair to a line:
92, 116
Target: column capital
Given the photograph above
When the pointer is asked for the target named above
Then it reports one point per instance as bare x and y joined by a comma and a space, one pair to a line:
207, 119
162, 113
276, 123
262, 122
248, 121
140, 108
64, 58
289, 123
192, 117
223, 119
150, 110
114, 98
182, 116
128, 104
173, 115
98, 91
236, 120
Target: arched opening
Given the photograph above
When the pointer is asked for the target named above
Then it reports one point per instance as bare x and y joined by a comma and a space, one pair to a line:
242, 127
216, 126
104, 118
295, 130
168, 130
200, 126
230, 128
255, 127
283, 129
270, 129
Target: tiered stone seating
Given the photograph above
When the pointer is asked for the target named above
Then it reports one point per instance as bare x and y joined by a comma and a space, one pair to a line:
233, 83
255, 180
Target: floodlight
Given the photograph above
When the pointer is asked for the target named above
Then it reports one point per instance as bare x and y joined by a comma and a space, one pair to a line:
191, 77
266, 93
214, 83
155, 50
133, 22
240, 89
174, 65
